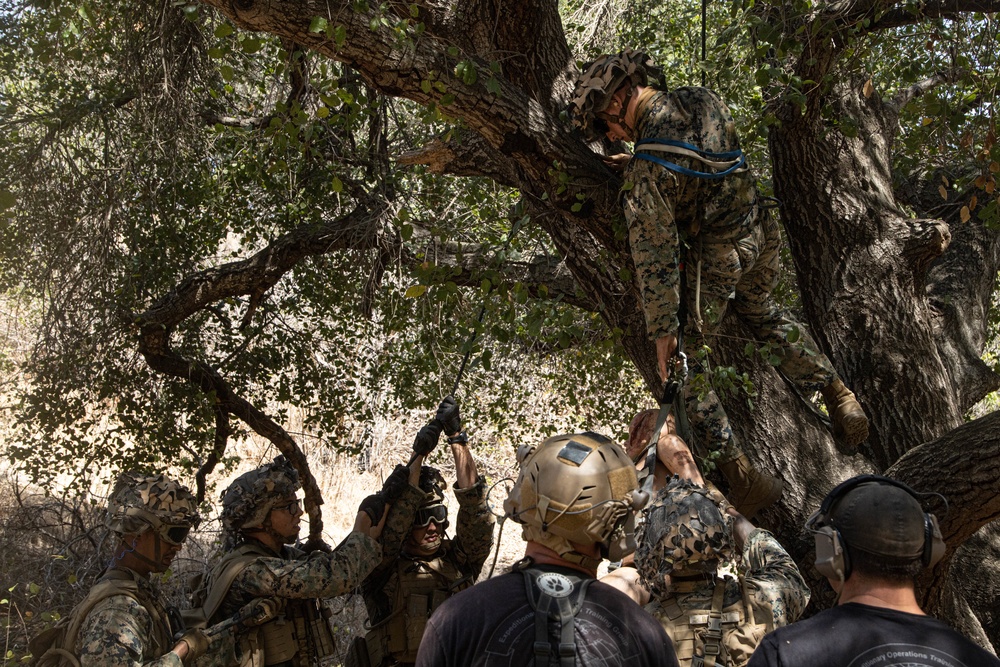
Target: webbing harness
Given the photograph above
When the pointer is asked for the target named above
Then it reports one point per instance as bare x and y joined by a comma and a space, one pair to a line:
558, 597
730, 162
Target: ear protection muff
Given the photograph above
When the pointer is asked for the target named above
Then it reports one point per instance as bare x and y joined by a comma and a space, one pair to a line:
832, 560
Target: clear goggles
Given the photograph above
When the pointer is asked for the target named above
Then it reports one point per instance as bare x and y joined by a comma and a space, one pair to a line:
436, 513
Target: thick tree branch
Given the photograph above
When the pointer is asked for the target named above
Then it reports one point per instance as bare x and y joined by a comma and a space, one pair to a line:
961, 465
503, 113
359, 230
466, 154
948, 9
154, 345
908, 94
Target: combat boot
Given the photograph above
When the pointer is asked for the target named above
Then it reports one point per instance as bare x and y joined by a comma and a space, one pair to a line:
850, 425
749, 489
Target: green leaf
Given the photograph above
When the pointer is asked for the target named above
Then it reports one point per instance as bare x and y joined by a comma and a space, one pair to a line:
793, 335
337, 184
415, 291
224, 30
318, 24
251, 45
447, 99
406, 232
227, 73
414, 10
33, 588
493, 85
339, 35
322, 112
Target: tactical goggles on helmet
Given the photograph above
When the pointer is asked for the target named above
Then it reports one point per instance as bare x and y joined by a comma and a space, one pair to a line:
173, 534
436, 513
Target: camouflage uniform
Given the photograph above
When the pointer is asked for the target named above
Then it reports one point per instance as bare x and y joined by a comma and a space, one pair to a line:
300, 635
131, 626
685, 538
403, 590
675, 218
126, 631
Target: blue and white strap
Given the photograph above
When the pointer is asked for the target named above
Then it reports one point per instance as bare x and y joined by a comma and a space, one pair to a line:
729, 163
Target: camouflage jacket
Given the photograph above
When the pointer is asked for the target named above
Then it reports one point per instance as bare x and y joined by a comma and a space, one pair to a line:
468, 551
296, 574
664, 208
127, 631
772, 584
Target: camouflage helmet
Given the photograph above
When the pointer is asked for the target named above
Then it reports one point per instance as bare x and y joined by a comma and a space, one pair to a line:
140, 502
684, 530
578, 488
248, 500
599, 82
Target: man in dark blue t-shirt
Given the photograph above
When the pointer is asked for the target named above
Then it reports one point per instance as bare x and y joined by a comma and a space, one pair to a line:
576, 496
872, 539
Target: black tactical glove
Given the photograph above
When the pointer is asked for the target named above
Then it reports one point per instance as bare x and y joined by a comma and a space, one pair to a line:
394, 486
447, 414
373, 506
427, 438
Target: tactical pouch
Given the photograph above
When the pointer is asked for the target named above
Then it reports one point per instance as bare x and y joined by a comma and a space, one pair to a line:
278, 638
320, 635
417, 610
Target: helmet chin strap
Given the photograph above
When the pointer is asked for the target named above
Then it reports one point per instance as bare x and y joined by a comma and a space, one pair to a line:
623, 111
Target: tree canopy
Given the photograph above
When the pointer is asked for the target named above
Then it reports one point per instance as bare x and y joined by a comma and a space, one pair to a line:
218, 212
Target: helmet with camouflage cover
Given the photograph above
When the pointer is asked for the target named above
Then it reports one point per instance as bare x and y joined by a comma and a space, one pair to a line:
141, 502
579, 488
684, 531
247, 502
599, 82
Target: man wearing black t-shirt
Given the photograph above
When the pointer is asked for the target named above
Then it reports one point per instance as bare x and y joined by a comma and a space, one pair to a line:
872, 539
576, 497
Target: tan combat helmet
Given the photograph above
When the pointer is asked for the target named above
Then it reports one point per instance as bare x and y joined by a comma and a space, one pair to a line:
684, 532
578, 488
600, 81
247, 502
144, 502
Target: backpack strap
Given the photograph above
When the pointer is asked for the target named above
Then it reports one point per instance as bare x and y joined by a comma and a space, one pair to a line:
230, 568
559, 597
713, 651
112, 583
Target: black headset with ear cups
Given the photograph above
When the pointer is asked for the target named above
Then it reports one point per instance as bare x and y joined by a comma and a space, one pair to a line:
831, 554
